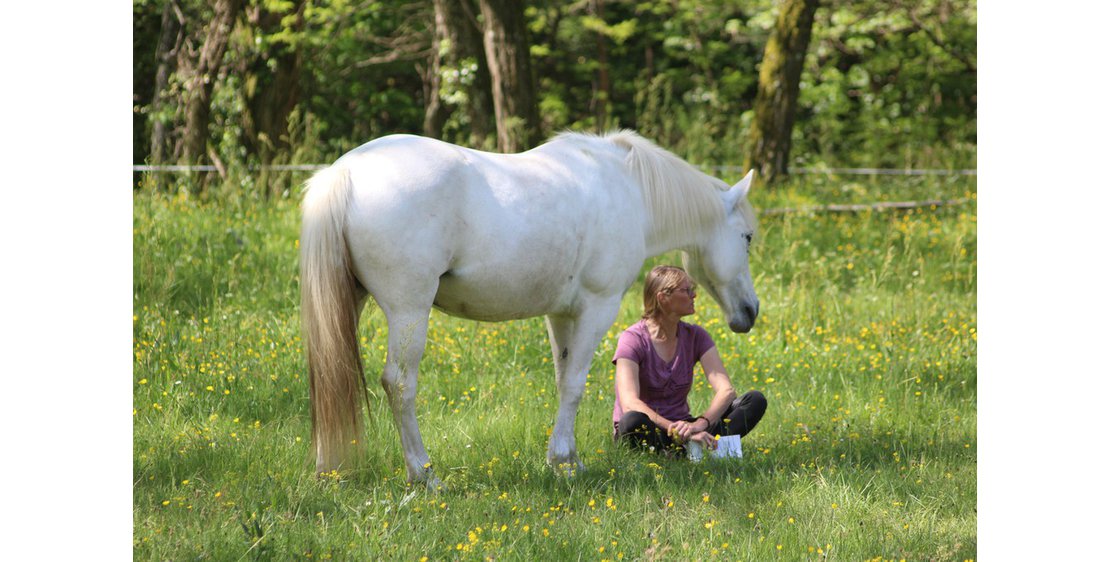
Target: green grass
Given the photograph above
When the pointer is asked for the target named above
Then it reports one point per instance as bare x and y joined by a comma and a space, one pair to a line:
865, 348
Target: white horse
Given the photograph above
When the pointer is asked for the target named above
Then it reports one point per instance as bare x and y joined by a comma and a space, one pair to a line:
562, 231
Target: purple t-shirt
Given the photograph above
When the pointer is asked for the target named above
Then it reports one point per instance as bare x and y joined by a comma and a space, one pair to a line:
663, 386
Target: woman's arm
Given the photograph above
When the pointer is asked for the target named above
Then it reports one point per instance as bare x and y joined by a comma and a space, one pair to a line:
723, 395
628, 384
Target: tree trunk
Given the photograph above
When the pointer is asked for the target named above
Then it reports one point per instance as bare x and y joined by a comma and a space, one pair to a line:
514, 98
467, 38
169, 41
276, 84
603, 94
779, 76
200, 71
460, 49
272, 90
435, 110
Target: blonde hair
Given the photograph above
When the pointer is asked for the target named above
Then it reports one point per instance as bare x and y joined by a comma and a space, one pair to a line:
661, 278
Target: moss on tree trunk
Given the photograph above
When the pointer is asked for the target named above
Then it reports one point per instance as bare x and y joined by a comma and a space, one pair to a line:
779, 77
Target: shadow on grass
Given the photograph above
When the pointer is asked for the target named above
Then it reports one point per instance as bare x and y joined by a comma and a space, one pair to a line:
614, 469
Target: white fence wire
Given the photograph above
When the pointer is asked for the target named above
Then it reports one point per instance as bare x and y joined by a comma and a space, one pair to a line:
889, 205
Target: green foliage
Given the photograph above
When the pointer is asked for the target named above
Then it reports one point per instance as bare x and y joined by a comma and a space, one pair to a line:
865, 346
885, 84
879, 91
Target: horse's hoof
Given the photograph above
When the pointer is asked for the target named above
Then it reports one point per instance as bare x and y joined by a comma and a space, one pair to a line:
427, 477
569, 469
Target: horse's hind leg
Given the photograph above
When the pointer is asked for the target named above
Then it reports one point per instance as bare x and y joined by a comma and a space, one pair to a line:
407, 335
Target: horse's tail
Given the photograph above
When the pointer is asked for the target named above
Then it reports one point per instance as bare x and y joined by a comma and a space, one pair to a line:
337, 385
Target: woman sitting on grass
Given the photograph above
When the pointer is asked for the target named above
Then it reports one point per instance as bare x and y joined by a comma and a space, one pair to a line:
655, 360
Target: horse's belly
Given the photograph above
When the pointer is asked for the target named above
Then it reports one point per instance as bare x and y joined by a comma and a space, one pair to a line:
494, 300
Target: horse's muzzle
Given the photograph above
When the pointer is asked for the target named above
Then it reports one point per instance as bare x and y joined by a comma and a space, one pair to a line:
742, 323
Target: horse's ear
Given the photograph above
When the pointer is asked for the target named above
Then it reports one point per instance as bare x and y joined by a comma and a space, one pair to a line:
739, 191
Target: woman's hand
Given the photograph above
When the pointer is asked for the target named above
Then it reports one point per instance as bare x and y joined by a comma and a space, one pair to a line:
706, 440
682, 431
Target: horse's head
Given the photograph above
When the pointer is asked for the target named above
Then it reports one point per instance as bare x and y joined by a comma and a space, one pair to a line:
720, 265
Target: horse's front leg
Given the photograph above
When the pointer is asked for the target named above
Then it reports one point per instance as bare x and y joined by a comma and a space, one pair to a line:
573, 341
407, 337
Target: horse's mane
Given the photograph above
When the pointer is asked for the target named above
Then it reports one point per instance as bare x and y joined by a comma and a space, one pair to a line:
679, 197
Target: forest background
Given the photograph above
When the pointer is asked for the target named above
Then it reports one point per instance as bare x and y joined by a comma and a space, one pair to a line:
257, 92
1024, 131
245, 85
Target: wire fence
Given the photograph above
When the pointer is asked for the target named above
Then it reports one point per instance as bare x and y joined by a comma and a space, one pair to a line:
170, 168
858, 171
865, 207
836, 208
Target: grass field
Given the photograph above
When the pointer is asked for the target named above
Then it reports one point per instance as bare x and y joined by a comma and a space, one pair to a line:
865, 348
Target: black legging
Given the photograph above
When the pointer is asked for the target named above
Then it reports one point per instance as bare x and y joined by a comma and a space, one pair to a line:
637, 429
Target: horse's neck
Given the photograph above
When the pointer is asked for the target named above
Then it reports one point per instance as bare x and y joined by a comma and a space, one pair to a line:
685, 222
659, 242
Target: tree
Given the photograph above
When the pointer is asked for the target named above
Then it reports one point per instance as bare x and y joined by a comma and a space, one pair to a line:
170, 38
199, 69
604, 91
271, 77
461, 73
269, 65
510, 67
246, 82
777, 98
436, 110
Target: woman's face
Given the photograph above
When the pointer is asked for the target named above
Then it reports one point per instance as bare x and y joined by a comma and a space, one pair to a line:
680, 301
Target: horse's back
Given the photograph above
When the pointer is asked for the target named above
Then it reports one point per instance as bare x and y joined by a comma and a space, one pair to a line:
503, 236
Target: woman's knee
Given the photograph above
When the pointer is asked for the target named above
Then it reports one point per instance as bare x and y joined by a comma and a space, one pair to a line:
753, 400
756, 400
632, 421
